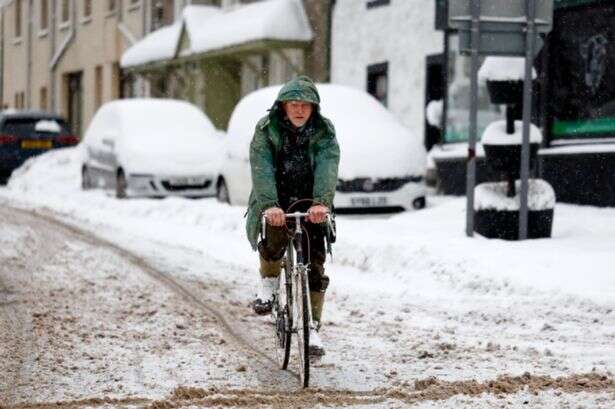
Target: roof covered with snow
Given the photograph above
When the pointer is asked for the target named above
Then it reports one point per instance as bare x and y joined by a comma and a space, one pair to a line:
212, 29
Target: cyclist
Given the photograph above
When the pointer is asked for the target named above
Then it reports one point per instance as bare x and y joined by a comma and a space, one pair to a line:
293, 155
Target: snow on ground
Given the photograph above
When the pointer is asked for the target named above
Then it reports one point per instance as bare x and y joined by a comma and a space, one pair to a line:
411, 296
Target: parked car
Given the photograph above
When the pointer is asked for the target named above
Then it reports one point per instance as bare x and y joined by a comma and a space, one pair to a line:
24, 134
151, 148
382, 163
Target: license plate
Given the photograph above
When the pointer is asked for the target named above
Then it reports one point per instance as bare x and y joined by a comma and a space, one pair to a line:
187, 181
368, 201
30, 144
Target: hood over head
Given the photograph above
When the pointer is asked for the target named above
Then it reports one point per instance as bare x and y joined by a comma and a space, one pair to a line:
301, 89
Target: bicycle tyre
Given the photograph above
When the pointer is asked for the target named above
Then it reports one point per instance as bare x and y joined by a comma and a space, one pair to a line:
303, 330
284, 322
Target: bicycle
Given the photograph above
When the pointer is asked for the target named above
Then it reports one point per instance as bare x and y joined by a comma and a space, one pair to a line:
291, 310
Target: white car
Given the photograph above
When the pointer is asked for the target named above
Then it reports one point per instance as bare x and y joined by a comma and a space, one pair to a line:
151, 148
382, 163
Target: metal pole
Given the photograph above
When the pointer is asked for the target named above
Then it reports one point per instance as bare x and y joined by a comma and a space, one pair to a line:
527, 113
471, 167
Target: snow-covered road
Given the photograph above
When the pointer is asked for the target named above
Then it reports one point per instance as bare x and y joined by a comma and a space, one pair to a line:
416, 311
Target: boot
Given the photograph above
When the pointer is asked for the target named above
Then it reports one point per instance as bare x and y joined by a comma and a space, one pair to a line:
264, 298
269, 270
317, 299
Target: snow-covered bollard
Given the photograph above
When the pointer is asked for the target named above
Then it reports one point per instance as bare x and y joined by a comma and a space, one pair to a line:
504, 77
496, 216
503, 149
497, 204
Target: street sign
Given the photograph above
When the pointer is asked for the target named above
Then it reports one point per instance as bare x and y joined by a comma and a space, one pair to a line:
502, 25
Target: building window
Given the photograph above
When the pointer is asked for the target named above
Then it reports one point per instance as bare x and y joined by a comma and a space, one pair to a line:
134, 4
377, 3
87, 8
162, 13
111, 5
17, 18
43, 99
98, 86
378, 81
44, 15
65, 14
20, 100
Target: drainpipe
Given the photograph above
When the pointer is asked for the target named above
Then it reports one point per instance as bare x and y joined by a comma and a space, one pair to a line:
29, 57
1, 57
59, 52
52, 40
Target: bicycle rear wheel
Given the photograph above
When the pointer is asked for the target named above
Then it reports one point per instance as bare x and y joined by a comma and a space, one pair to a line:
283, 318
303, 328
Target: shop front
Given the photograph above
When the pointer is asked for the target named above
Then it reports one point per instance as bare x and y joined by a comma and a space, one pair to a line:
574, 104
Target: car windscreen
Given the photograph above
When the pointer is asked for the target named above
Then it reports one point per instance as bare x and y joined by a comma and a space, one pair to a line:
30, 127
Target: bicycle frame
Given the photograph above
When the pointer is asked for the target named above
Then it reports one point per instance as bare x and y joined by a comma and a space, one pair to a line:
294, 295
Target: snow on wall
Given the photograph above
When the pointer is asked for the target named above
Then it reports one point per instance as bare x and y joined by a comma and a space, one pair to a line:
401, 33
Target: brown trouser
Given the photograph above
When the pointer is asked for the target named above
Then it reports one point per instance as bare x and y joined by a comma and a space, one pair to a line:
314, 252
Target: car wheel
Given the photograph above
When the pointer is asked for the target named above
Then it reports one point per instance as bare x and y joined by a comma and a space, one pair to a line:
419, 203
222, 192
120, 185
86, 179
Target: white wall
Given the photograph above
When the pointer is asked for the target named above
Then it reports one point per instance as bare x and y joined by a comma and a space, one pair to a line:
401, 33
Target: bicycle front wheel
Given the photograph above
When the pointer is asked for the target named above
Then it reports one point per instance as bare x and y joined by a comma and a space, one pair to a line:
283, 318
303, 329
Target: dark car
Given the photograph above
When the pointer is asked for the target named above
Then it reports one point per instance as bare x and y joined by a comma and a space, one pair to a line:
24, 134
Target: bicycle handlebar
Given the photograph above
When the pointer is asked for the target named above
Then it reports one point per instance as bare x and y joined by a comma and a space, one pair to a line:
297, 216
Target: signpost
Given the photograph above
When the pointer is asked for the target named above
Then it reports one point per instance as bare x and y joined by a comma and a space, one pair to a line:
504, 28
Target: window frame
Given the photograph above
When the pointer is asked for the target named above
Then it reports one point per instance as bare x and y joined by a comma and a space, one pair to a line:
18, 19
371, 4
376, 70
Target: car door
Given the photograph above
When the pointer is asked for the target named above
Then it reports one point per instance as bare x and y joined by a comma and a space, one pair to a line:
100, 147
239, 178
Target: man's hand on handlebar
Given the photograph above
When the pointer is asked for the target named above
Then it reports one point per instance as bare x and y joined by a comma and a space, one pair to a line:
275, 216
317, 214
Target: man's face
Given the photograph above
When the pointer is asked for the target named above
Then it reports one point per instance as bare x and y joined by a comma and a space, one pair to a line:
298, 112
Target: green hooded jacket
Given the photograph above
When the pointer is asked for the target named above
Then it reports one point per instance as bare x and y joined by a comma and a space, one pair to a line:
324, 155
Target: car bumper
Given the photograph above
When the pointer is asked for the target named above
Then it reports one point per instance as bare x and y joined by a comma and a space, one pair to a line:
400, 198
170, 185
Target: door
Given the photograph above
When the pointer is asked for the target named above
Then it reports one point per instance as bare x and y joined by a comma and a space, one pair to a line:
434, 91
75, 102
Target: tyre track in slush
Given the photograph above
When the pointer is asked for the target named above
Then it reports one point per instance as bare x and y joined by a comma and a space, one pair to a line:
161, 277
430, 389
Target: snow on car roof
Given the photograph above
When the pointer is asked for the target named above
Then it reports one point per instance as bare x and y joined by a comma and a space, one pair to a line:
365, 129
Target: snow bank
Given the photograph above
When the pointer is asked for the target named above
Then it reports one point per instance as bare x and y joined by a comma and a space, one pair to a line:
372, 142
422, 254
492, 196
504, 69
495, 134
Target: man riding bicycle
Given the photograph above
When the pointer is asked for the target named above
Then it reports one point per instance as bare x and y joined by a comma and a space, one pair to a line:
294, 155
